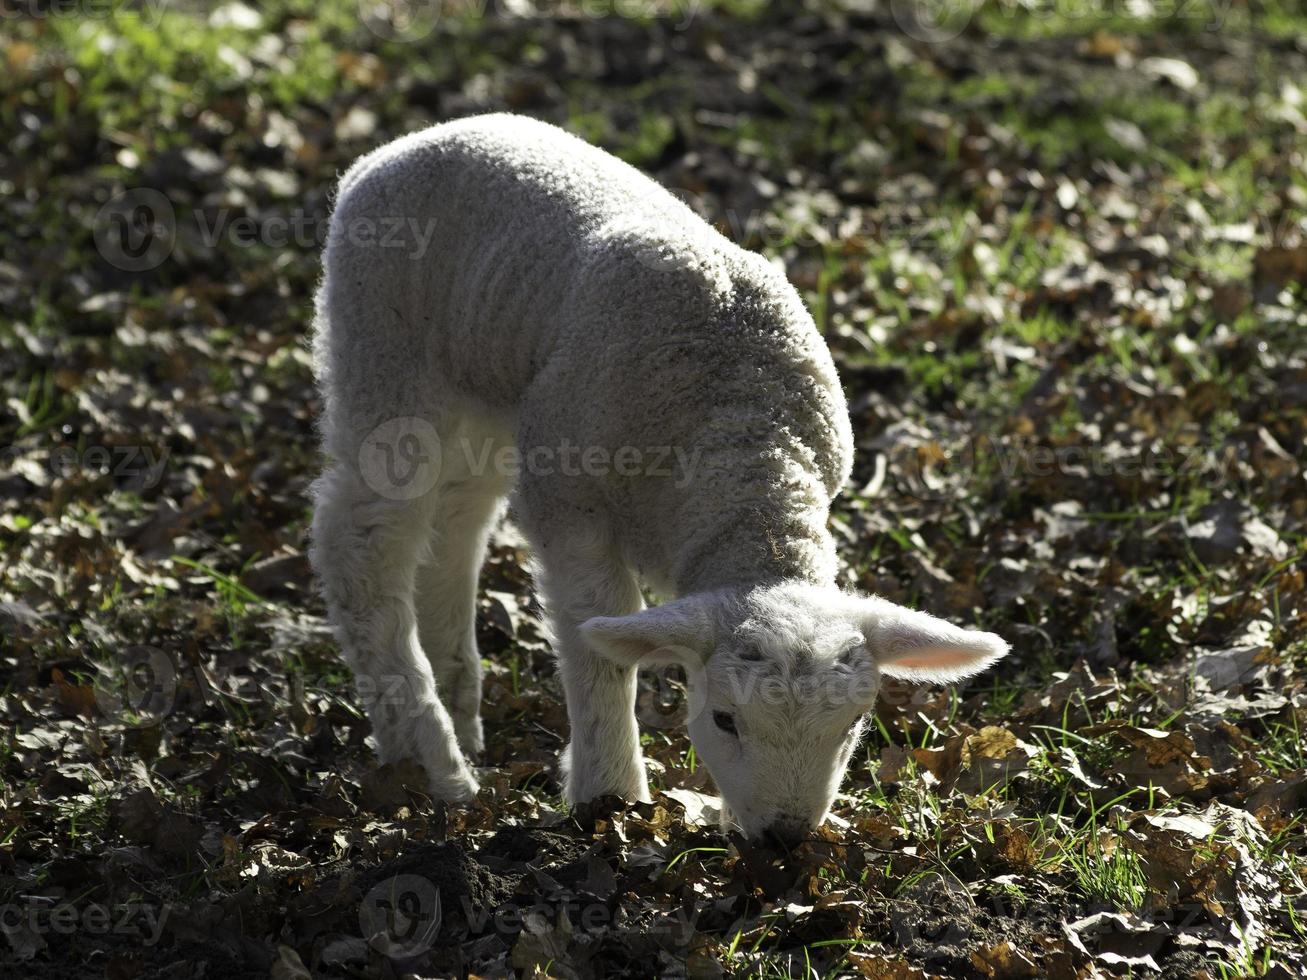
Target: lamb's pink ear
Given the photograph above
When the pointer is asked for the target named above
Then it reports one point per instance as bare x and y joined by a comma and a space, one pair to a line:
678, 632
915, 646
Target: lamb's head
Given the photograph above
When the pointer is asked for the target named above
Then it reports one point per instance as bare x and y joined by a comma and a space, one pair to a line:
780, 679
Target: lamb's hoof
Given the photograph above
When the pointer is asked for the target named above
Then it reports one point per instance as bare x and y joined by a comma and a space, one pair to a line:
632, 792
455, 788
471, 738
605, 807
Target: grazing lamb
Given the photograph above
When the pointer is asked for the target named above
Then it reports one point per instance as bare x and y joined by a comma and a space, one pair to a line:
506, 308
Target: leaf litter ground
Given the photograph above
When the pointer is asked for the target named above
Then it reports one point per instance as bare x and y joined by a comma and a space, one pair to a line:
1060, 263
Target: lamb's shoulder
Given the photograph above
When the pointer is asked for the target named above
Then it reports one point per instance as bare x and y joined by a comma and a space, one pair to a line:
788, 379
781, 368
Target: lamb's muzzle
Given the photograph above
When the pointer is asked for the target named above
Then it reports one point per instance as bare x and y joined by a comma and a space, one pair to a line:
543, 320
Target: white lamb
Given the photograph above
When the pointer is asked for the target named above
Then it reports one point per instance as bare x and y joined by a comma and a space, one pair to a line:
505, 307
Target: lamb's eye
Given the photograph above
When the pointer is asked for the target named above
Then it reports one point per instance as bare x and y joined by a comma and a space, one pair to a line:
724, 721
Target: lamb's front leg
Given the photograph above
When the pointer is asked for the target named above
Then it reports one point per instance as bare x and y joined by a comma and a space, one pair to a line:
603, 756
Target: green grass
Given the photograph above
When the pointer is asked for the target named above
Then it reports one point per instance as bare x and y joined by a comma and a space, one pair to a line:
159, 56
1108, 871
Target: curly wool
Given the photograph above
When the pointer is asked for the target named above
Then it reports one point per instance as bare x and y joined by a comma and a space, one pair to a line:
568, 294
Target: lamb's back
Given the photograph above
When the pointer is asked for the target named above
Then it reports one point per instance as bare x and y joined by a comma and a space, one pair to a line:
505, 227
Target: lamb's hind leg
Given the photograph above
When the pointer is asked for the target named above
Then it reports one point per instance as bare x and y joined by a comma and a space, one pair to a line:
366, 547
446, 597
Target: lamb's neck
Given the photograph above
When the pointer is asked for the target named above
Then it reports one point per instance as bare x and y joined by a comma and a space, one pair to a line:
755, 544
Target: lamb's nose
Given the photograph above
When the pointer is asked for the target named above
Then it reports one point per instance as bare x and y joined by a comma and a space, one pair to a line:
785, 832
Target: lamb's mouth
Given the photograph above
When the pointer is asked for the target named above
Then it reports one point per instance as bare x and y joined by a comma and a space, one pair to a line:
726, 821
